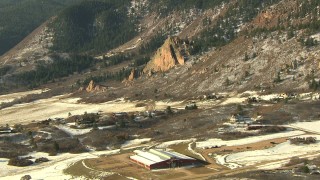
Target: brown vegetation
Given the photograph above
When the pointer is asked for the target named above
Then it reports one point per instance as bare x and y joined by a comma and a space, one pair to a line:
21, 162
303, 140
101, 139
296, 160
11, 150
41, 160
71, 145
235, 135
273, 129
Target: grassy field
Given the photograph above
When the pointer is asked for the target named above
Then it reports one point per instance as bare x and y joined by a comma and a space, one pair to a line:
80, 169
183, 149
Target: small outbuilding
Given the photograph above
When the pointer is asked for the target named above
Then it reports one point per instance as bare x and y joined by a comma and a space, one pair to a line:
161, 159
5, 130
239, 119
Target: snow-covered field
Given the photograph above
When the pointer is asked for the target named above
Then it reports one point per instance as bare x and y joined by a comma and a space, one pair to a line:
48, 170
170, 143
72, 131
135, 142
249, 140
60, 106
11, 97
234, 100
313, 126
283, 151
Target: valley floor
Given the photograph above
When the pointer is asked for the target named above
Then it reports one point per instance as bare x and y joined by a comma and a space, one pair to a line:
222, 156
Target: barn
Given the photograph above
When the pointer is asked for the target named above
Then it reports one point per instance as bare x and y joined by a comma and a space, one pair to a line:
160, 159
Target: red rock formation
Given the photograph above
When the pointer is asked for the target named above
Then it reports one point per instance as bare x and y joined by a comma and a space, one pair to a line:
169, 55
93, 87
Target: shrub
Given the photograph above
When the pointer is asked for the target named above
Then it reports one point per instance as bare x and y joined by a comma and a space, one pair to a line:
274, 129
303, 169
296, 160
11, 150
140, 105
303, 140
41, 160
235, 135
21, 162
47, 147
122, 137
25, 177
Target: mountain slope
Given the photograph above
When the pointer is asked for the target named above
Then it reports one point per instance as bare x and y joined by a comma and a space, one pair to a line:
93, 26
234, 45
18, 18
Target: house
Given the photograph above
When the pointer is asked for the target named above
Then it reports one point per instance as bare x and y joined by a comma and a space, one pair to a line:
191, 106
157, 113
120, 115
86, 120
5, 130
283, 96
161, 159
253, 99
240, 119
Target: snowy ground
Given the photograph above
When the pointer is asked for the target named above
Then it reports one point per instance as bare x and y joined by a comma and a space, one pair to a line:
11, 97
135, 142
283, 151
170, 143
249, 140
72, 131
60, 106
49, 170
313, 126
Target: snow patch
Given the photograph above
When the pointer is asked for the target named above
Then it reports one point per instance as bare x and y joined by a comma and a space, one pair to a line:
135, 142
279, 152
61, 106
308, 126
73, 132
48, 170
11, 97
170, 143
249, 140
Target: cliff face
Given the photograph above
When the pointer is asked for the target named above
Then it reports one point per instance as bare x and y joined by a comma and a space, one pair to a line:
173, 52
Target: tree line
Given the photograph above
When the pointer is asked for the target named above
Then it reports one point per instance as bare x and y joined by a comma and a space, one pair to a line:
60, 67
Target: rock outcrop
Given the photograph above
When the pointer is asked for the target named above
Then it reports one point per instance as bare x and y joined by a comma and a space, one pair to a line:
132, 75
173, 52
92, 87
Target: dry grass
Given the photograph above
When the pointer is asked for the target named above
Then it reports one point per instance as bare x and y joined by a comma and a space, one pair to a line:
77, 169
183, 149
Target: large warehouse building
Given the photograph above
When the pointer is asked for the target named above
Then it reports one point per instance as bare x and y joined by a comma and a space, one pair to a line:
160, 159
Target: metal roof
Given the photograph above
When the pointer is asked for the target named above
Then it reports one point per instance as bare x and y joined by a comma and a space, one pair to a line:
143, 160
178, 155
154, 156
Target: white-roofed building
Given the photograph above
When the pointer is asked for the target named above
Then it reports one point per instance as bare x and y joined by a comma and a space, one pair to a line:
160, 159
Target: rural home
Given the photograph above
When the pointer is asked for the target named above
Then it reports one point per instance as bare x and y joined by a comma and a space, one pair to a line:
239, 119
120, 115
5, 130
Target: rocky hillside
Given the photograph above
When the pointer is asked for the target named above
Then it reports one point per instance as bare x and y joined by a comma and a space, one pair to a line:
233, 45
